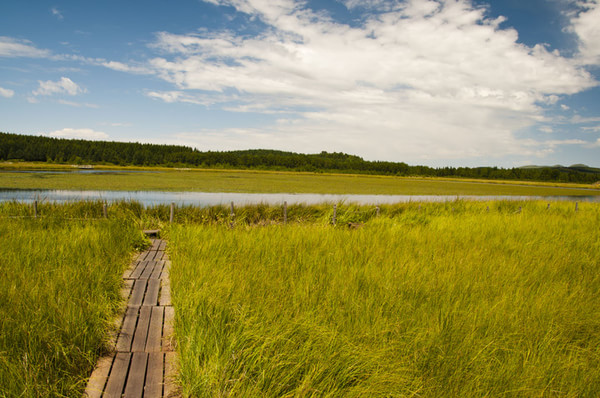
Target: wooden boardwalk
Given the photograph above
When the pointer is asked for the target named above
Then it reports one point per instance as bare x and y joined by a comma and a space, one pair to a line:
142, 363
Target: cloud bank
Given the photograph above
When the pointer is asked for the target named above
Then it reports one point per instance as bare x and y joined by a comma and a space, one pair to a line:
84, 134
416, 80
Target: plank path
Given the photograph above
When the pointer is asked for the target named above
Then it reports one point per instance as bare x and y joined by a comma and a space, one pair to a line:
143, 360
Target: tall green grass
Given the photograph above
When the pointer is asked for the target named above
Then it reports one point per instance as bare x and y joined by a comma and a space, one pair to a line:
455, 299
59, 292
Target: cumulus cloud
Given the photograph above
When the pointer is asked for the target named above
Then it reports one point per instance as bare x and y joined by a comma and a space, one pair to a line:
84, 134
62, 86
6, 93
586, 25
11, 47
419, 79
56, 12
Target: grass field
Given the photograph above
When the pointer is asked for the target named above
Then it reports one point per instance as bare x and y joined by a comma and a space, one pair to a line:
445, 300
59, 291
287, 182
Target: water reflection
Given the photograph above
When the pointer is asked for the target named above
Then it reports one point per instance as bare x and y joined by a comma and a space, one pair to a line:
203, 199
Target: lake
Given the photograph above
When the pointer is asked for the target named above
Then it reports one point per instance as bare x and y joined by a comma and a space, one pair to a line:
204, 199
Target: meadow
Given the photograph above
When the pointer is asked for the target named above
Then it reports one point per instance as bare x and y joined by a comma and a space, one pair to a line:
59, 294
454, 299
163, 179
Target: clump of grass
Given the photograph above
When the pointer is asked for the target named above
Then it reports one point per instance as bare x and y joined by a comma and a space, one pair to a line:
59, 291
447, 299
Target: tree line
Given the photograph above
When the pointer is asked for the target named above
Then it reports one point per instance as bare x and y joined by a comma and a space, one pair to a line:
74, 151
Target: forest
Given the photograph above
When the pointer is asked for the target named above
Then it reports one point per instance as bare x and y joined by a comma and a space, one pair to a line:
17, 147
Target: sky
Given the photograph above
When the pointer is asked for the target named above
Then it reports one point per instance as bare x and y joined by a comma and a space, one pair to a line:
432, 82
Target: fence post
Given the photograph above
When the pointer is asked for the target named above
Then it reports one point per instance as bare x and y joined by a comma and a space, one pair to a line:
35, 209
172, 214
548, 208
377, 211
285, 212
104, 210
231, 215
576, 206
334, 214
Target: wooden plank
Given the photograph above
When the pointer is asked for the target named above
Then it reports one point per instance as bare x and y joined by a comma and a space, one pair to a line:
154, 375
151, 297
163, 245
118, 375
170, 388
137, 296
135, 274
99, 376
141, 330
153, 342
155, 244
126, 290
168, 336
127, 330
137, 375
158, 267
148, 270
165, 292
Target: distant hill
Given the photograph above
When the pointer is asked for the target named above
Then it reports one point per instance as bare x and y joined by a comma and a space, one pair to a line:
57, 150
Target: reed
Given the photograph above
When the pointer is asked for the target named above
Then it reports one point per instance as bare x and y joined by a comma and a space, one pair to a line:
452, 299
59, 292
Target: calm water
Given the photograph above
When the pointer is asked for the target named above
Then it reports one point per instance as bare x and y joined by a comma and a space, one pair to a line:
78, 171
149, 198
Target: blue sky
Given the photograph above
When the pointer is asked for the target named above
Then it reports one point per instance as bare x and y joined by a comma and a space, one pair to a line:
435, 82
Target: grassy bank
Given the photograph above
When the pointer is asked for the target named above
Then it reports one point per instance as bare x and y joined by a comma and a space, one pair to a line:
445, 300
289, 182
59, 291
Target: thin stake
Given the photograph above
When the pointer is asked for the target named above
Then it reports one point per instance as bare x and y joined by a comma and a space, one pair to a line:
377, 211
104, 210
334, 214
172, 215
35, 209
232, 215
548, 208
576, 206
285, 212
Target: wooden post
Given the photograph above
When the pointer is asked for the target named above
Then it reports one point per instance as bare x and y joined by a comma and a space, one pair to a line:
487, 209
35, 209
285, 212
334, 214
172, 214
377, 211
231, 215
104, 210
548, 208
576, 206
520, 209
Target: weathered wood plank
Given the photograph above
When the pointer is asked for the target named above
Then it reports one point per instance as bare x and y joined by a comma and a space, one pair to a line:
126, 289
168, 336
148, 270
163, 245
99, 376
154, 375
127, 330
151, 297
134, 388
118, 375
165, 292
135, 274
155, 244
153, 342
170, 388
137, 296
141, 330
158, 267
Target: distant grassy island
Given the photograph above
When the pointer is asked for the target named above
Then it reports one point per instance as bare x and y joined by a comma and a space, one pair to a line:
16, 147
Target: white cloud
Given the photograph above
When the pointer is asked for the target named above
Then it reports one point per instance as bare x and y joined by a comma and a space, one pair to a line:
593, 129
417, 80
11, 47
78, 104
84, 134
56, 12
121, 67
62, 86
586, 25
6, 93
564, 107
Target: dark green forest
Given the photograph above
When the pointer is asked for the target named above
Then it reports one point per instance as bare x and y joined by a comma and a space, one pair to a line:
58, 150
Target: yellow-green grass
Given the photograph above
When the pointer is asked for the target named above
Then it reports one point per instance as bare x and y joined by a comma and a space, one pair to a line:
59, 293
289, 182
445, 300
